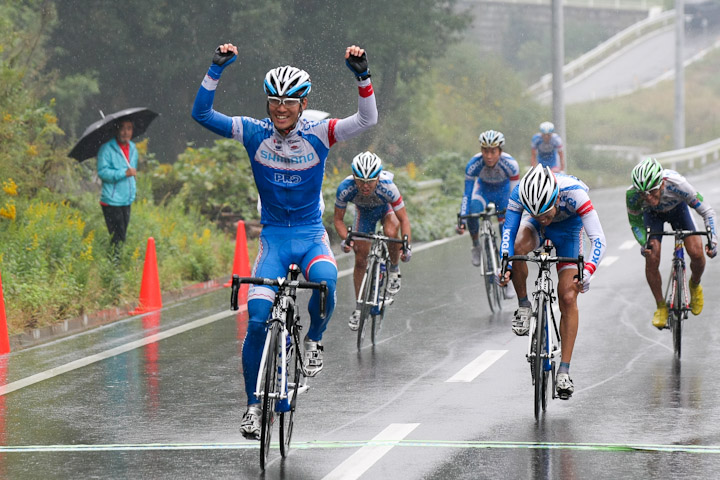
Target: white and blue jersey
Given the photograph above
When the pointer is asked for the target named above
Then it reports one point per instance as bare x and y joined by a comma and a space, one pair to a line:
288, 172
372, 208
547, 153
575, 213
484, 184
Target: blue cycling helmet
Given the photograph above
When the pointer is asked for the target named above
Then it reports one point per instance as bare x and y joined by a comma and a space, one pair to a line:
287, 81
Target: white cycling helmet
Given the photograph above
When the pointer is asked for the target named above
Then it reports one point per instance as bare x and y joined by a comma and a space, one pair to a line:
547, 127
287, 81
538, 190
366, 165
647, 175
492, 138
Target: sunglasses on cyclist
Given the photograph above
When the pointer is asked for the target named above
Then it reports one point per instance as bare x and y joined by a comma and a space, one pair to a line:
647, 193
288, 102
364, 180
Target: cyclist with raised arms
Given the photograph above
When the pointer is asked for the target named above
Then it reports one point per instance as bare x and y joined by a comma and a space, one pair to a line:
557, 207
657, 196
376, 199
287, 154
547, 148
490, 176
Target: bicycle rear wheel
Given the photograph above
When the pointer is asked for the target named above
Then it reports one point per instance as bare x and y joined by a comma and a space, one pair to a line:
538, 362
268, 402
489, 273
367, 300
294, 372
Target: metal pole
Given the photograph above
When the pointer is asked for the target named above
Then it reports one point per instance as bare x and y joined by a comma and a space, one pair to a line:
558, 61
679, 123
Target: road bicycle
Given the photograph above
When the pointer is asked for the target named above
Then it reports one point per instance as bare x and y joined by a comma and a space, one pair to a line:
677, 296
282, 375
373, 296
489, 256
544, 342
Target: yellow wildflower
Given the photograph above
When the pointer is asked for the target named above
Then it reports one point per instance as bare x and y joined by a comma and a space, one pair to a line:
49, 118
31, 150
10, 187
142, 147
8, 211
412, 170
7, 118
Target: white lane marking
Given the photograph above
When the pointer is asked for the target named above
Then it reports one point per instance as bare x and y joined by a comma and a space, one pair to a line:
477, 366
82, 362
360, 461
608, 260
628, 244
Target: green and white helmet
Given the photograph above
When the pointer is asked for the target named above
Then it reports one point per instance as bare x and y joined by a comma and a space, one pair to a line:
647, 175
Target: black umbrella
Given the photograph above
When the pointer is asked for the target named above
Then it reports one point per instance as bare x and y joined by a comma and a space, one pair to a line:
105, 130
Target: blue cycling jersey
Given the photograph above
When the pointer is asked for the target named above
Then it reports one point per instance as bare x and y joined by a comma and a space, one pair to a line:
547, 153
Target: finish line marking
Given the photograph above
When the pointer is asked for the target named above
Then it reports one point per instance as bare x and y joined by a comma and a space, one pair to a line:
372, 444
477, 366
360, 461
82, 362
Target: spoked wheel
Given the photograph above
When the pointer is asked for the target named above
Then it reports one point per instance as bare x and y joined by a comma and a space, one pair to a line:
379, 313
367, 301
676, 321
268, 402
489, 267
294, 375
539, 373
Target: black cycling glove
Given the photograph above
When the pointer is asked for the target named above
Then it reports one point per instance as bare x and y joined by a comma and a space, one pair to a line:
359, 66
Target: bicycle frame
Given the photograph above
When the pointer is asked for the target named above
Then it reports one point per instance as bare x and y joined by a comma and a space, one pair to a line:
489, 258
373, 302
677, 296
547, 340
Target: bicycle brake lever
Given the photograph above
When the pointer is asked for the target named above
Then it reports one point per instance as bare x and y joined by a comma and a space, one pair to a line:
234, 292
323, 299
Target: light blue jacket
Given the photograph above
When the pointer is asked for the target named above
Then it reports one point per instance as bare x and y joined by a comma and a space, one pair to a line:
117, 189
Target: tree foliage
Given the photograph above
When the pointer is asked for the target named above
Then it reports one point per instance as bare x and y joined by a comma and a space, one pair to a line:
154, 54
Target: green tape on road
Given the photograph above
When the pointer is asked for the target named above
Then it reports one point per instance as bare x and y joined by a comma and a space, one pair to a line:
607, 447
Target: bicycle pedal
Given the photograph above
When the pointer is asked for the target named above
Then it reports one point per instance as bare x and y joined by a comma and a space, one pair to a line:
564, 395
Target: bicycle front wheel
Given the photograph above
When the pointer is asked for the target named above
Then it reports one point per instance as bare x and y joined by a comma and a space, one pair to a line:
367, 299
377, 318
538, 365
490, 270
268, 400
287, 419
676, 313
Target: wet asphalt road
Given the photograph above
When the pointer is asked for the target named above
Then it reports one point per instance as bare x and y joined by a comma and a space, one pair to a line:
171, 408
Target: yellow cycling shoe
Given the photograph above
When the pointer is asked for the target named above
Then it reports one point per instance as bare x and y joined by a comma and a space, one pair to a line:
696, 299
660, 317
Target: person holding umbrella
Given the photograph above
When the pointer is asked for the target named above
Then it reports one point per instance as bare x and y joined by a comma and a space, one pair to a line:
110, 139
117, 168
288, 155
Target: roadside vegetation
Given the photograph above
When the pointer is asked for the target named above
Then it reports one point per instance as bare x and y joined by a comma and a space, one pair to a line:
53, 240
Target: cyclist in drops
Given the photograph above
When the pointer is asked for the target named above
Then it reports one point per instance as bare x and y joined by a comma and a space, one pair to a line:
490, 176
287, 155
657, 196
557, 207
547, 148
376, 199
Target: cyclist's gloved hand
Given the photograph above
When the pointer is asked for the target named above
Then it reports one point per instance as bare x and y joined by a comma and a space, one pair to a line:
346, 246
221, 60
644, 251
712, 252
407, 254
358, 64
460, 228
587, 276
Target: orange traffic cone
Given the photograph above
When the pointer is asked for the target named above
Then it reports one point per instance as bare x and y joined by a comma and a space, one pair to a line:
150, 297
241, 264
4, 339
